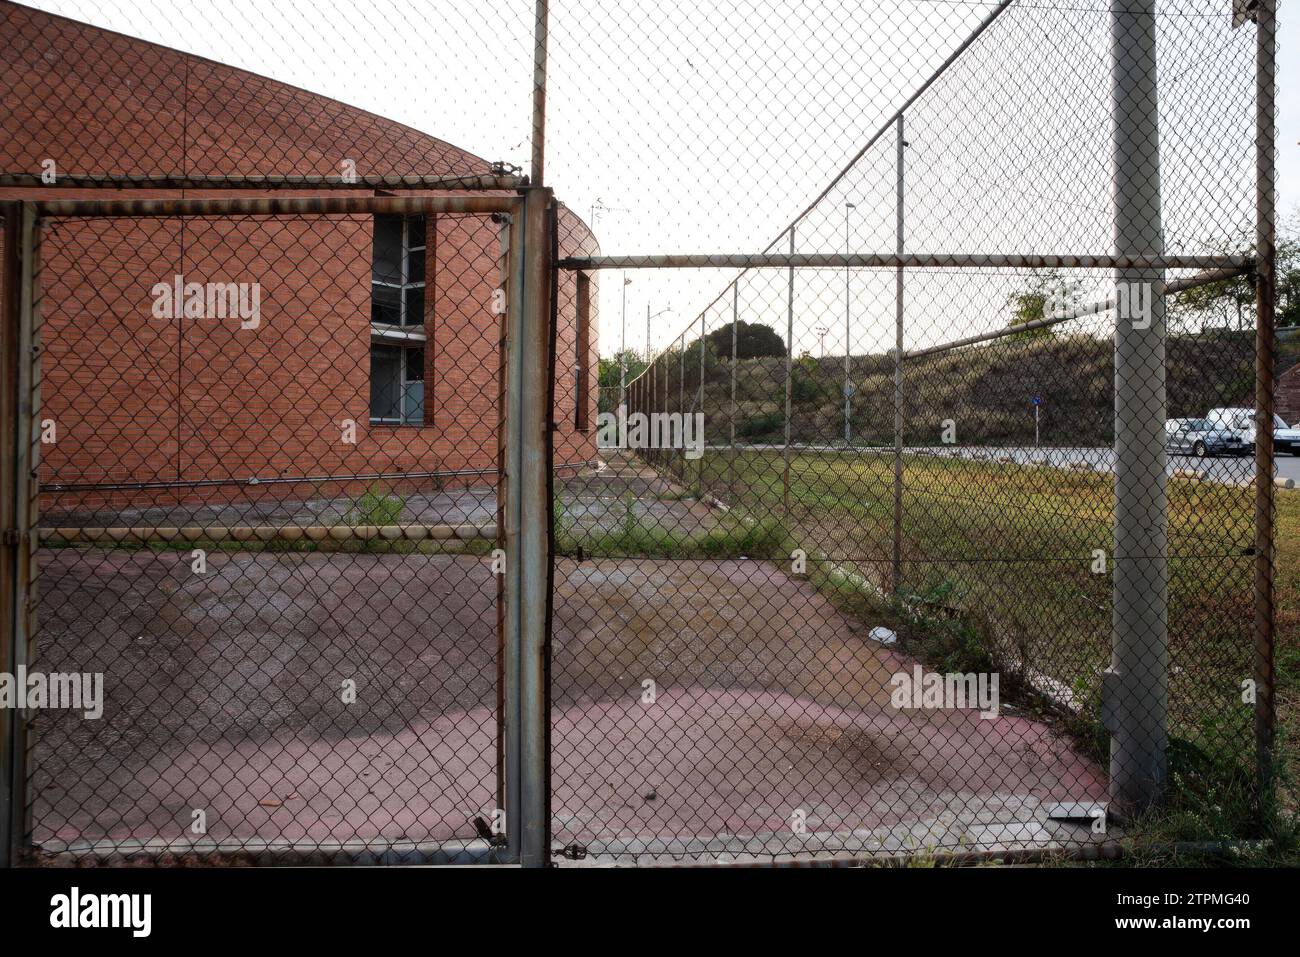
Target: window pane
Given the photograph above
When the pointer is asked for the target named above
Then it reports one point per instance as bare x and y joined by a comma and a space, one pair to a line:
414, 365
413, 403
385, 304
385, 382
415, 307
415, 231
415, 266
386, 265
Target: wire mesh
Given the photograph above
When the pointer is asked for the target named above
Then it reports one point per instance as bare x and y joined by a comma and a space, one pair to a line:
267, 522
814, 510
863, 560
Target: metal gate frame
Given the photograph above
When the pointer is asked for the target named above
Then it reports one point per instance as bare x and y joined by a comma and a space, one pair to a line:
522, 487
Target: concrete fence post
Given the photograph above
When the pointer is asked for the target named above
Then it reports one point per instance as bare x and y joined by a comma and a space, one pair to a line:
1135, 696
527, 518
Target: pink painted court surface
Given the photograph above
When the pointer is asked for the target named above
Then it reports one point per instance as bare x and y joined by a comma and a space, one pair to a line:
768, 701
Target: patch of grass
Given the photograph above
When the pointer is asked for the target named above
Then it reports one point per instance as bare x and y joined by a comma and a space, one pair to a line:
1210, 817
373, 507
637, 535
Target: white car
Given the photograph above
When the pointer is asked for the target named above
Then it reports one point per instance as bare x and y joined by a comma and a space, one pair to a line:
1200, 437
1241, 423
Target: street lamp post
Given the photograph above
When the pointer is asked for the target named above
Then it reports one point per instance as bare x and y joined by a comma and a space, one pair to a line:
648, 317
848, 341
622, 352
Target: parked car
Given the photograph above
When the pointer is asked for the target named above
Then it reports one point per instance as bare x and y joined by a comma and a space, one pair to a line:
1285, 437
1241, 423
1200, 437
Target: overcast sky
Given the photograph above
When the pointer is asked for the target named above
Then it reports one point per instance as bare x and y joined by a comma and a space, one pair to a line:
701, 127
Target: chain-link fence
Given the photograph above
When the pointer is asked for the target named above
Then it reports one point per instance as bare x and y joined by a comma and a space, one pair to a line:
266, 526
943, 524
888, 547
977, 540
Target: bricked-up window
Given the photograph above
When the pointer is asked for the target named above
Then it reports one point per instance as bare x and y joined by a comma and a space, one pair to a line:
397, 274
397, 321
396, 384
581, 414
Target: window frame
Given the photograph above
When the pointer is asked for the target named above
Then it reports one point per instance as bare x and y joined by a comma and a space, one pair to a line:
582, 353
405, 336
403, 381
407, 248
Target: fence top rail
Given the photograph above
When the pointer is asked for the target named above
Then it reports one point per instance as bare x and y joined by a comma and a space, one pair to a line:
905, 260
276, 206
269, 181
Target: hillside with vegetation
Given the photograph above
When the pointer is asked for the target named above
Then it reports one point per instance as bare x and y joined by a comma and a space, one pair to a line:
985, 391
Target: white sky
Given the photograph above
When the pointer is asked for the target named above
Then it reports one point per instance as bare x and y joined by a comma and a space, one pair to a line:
708, 126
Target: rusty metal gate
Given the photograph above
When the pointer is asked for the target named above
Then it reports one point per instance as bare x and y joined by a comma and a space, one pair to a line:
268, 601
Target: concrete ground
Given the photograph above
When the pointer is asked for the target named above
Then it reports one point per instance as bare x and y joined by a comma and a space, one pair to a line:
768, 703
224, 694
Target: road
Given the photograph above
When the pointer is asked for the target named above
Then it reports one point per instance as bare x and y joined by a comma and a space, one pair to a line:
1229, 470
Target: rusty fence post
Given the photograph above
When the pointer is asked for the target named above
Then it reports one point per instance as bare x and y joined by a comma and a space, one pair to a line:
10, 287
19, 396
1265, 368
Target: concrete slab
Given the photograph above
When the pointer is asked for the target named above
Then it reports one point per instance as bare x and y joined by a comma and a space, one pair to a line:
223, 694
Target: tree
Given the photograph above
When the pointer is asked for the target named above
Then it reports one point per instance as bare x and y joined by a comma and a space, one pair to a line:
607, 377
1288, 271
609, 368
1230, 300
1044, 295
1233, 300
754, 340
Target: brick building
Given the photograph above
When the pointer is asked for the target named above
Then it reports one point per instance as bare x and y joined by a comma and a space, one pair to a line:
385, 322
1287, 401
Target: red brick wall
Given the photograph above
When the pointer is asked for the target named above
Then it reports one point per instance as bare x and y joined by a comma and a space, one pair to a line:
141, 399
1287, 398
571, 445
